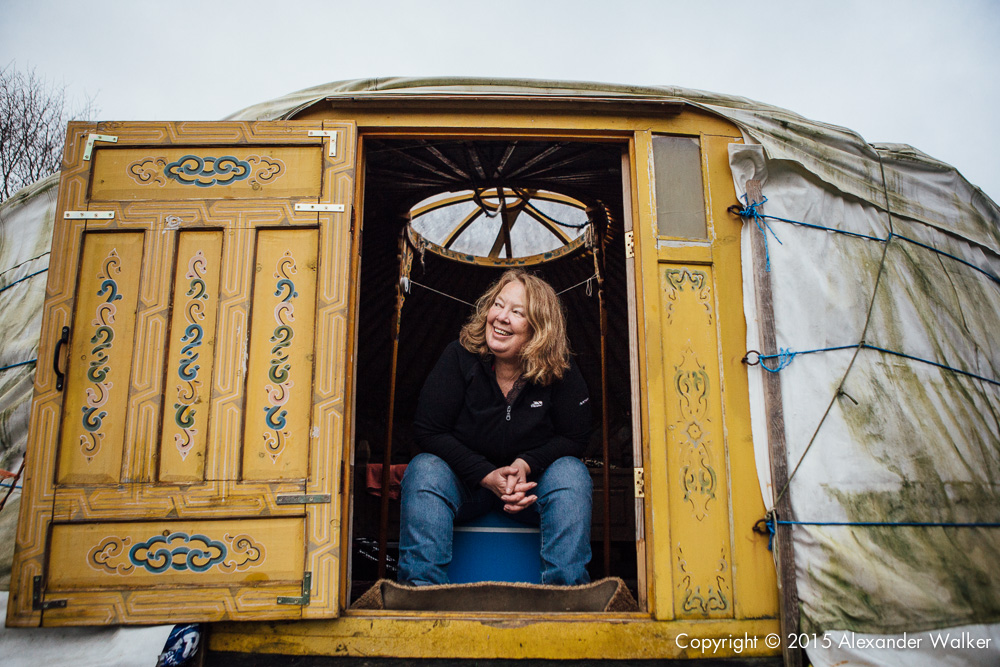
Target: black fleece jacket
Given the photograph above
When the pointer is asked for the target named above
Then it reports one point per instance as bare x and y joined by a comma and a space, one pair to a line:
463, 418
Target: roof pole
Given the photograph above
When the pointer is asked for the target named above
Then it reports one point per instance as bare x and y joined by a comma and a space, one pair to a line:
605, 446
405, 262
784, 552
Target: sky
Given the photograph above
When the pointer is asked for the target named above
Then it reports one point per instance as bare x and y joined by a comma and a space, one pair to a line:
919, 72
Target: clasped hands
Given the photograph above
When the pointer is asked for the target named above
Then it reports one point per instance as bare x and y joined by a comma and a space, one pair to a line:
511, 485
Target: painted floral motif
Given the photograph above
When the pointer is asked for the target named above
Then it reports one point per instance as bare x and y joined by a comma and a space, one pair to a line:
177, 552
148, 171
100, 357
108, 554
698, 477
187, 370
714, 597
265, 169
682, 280
279, 373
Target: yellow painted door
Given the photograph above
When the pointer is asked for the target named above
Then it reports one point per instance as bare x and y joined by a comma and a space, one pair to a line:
186, 436
708, 562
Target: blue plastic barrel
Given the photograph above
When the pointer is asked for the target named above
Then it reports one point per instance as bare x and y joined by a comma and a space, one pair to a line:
495, 547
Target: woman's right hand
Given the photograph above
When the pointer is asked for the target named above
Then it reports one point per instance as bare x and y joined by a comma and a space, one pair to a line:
506, 483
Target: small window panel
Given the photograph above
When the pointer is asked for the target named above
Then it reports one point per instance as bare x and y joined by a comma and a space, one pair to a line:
680, 197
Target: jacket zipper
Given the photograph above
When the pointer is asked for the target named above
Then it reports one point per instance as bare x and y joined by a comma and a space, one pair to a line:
508, 413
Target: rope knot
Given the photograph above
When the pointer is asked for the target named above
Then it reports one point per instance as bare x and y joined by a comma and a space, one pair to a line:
750, 212
785, 356
766, 526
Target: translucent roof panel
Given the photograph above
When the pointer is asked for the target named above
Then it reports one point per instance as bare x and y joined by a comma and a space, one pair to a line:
476, 222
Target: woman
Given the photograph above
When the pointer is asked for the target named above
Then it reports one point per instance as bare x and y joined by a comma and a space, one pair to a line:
502, 421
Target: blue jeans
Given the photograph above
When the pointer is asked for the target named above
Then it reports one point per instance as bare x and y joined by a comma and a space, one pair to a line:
434, 498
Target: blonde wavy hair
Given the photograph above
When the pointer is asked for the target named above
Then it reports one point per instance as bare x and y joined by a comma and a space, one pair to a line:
545, 357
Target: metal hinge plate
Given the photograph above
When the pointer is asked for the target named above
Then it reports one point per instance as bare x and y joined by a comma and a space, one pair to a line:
629, 244
304, 600
89, 215
320, 208
36, 597
332, 134
304, 499
640, 482
88, 149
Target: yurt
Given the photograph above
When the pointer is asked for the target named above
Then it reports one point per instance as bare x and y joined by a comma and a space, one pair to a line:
784, 330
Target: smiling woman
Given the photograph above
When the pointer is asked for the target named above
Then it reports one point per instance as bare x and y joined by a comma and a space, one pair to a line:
502, 421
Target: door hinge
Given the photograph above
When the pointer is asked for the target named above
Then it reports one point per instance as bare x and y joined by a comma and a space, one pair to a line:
640, 482
304, 499
332, 134
36, 597
89, 215
88, 148
629, 244
320, 208
304, 600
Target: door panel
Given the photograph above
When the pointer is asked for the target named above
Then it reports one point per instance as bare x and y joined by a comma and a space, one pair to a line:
93, 429
190, 469
187, 389
147, 555
177, 173
695, 442
277, 427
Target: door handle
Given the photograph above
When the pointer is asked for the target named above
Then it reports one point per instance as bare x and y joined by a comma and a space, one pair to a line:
60, 376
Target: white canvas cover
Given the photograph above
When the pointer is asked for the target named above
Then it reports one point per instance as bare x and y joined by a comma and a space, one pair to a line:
25, 236
910, 441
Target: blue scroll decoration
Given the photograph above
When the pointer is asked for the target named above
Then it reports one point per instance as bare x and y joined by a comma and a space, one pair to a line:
177, 551
278, 393
205, 172
188, 392
100, 360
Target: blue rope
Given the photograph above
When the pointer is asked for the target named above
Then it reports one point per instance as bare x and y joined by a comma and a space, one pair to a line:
770, 522
21, 280
932, 363
986, 273
922, 524
867, 237
9, 486
27, 261
786, 356
20, 363
751, 212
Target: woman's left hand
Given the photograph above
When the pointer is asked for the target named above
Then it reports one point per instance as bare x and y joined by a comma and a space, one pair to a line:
511, 485
516, 499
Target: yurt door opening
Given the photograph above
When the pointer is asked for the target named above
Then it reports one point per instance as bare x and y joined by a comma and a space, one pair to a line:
443, 218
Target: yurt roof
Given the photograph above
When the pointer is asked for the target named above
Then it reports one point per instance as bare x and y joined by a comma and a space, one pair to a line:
914, 184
